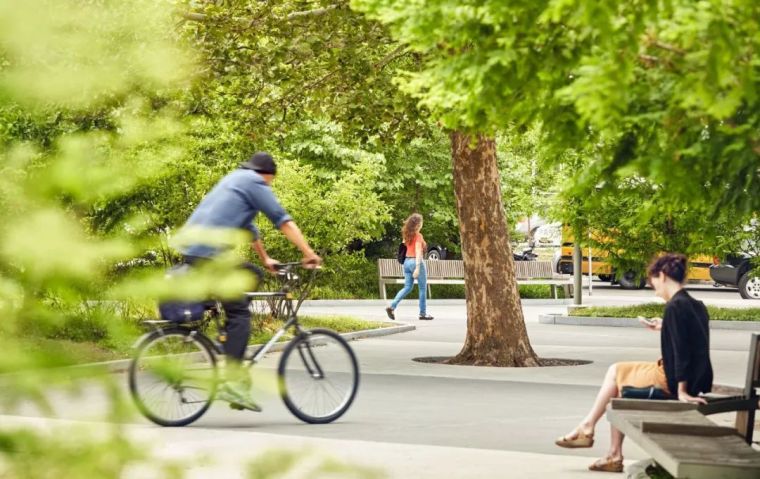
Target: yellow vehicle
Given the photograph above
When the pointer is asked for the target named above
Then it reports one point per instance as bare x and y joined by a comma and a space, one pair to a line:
699, 265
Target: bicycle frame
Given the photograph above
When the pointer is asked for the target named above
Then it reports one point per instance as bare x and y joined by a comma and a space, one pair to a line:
300, 355
217, 311
291, 321
291, 312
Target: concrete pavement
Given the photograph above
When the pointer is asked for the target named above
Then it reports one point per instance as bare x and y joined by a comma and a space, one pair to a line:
423, 420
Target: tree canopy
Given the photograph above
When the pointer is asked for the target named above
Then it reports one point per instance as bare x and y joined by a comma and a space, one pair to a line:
665, 89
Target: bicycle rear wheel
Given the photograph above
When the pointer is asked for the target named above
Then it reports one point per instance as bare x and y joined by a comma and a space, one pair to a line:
173, 376
318, 376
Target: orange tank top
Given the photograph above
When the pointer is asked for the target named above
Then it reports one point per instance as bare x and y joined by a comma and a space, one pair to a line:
411, 251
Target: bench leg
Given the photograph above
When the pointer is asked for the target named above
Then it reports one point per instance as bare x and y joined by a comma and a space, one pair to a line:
745, 424
429, 292
554, 291
383, 293
568, 289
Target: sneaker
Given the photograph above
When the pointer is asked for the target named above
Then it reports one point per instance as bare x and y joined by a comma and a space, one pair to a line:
238, 397
389, 312
425, 317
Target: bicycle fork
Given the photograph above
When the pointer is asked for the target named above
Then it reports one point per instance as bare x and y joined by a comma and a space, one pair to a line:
309, 361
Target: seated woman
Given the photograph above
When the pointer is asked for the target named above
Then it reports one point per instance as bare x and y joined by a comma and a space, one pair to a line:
683, 373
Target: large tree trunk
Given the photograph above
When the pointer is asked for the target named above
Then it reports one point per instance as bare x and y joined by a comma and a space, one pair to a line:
496, 334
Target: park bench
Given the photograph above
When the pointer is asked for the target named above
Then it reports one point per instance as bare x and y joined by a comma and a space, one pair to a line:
682, 440
452, 272
746, 403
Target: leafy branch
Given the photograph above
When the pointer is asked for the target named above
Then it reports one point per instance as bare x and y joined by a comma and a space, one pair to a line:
317, 12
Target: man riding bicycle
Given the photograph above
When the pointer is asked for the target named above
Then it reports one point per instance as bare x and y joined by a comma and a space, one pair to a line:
233, 203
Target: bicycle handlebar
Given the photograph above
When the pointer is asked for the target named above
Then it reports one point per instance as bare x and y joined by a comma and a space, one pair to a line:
287, 267
303, 282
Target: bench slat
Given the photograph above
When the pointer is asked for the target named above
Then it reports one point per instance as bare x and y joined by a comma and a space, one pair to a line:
651, 405
699, 456
452, 272
533, 269
686, 429
389, 268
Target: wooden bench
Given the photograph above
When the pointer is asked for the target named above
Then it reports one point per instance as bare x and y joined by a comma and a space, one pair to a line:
744, 404
390, 271
681, 439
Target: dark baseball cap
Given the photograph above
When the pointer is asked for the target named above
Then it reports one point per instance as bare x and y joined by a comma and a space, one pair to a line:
261, 162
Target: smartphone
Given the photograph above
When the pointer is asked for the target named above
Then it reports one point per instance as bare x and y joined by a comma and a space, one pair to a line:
647, 321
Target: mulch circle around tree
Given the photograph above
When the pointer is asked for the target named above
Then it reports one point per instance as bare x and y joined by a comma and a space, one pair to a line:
545, 362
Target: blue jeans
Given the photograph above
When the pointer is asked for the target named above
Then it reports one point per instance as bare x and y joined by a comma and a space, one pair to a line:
409, 265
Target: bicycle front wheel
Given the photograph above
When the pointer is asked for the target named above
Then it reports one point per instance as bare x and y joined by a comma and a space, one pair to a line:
318, 376
173, 376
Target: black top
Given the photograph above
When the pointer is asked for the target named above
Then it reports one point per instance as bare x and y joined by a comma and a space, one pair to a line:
685, 344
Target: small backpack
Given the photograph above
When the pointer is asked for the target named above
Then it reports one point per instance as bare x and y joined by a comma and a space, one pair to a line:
183, 310
401, 255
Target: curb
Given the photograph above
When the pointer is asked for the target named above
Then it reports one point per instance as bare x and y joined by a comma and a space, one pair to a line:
379, 332
634, 323
121, 365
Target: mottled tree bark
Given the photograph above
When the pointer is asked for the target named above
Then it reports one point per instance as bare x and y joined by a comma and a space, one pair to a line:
496, 334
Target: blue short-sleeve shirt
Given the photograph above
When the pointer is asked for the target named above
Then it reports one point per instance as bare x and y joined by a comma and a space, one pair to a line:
233, 204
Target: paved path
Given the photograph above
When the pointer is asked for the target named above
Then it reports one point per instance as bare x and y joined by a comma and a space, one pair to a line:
422, 420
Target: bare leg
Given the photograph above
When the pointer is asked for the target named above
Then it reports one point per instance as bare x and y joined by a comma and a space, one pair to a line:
616, 444
607, 391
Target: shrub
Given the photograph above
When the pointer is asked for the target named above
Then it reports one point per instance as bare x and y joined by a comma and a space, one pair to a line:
657, 310
346, 276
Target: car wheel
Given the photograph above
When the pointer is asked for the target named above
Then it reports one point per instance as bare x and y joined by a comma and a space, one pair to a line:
630, 280
434, 255
749, 286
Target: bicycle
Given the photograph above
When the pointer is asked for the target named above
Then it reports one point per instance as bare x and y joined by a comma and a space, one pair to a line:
174, 374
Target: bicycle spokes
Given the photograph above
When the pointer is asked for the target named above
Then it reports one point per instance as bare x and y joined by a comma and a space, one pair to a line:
173, 378
318, 376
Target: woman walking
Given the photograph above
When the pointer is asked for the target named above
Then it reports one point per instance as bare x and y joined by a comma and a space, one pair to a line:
414, 266
683, 373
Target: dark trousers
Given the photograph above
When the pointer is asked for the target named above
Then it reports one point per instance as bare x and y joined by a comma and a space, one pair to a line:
238, 325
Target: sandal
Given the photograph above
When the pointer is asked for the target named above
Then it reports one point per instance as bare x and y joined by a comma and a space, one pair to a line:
580, 440
607, 464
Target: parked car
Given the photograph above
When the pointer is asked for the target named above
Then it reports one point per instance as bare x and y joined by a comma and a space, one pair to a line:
525, 255
737, 271
548, 234
436, 252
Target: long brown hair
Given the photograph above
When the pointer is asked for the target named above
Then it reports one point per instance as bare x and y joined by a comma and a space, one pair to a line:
410, 226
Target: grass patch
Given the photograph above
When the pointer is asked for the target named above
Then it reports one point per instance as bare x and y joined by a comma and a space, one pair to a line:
539, 291
119, 346
652, 310
265, 328
74, 352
